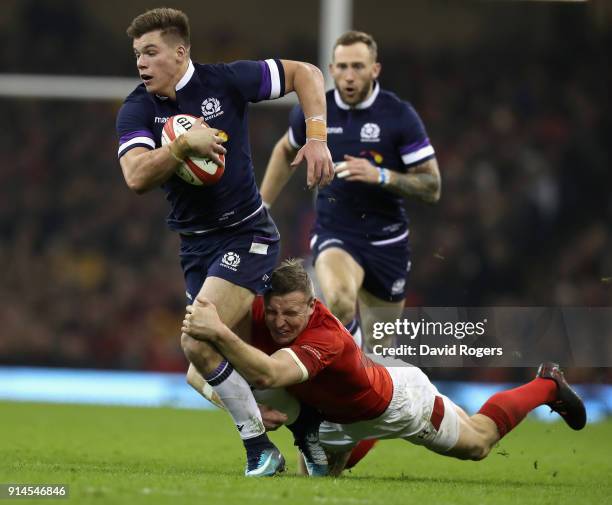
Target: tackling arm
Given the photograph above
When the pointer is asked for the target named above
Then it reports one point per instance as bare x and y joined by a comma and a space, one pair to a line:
259, 369
262, 371
278, 171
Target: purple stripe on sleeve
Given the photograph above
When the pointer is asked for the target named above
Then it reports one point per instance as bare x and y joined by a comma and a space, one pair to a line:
265, 240
266, 82
133, 135
410, 148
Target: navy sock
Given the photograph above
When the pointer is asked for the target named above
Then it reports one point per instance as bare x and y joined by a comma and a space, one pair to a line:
254, 446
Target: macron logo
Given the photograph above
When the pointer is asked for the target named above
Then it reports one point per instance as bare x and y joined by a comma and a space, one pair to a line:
161, 120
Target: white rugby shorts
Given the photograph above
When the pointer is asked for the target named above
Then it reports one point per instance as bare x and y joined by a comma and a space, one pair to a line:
417, 413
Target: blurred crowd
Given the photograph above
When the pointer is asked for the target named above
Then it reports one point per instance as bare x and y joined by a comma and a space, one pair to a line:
90, 276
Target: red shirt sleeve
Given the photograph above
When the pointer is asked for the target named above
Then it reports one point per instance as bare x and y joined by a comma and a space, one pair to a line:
318, 347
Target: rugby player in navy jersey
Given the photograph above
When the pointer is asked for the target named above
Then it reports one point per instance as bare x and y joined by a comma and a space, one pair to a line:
382, 154
229, 244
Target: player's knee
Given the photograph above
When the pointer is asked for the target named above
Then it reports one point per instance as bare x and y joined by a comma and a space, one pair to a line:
473, 444
342, 304
195, 350
479, 450
484, 437
188, 344
480, 453
192, 377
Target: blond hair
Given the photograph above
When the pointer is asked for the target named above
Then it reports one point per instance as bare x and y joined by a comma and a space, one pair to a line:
288, 277
354, 37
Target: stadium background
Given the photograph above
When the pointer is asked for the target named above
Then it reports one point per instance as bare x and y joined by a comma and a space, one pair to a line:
515, 99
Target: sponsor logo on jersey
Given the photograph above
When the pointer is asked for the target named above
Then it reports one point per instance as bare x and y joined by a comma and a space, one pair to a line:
312, 350
398, 286
161, 120
211, 108
230, 260
227, 215
335, 130
370, 132
392, 228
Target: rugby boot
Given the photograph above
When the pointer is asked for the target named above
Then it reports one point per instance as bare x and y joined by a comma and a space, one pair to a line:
305, 431
567, 404
267, 463
314, 455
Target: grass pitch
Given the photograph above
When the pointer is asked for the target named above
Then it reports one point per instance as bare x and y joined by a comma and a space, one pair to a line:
137, 455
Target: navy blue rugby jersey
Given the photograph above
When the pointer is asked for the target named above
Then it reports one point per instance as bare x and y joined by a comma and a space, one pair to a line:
389, 133
220, 93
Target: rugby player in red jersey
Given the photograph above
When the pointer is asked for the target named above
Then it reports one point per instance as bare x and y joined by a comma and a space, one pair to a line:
297, 344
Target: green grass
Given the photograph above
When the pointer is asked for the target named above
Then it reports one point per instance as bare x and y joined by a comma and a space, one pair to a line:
134, 455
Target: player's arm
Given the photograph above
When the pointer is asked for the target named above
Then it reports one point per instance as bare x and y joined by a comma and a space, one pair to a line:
145, 169
202, 322
422, 180
279, 170
307, 81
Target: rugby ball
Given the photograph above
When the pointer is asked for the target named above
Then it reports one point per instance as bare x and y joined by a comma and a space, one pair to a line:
194, 170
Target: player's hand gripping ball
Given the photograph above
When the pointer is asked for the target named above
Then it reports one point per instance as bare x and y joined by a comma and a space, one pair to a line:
194, 170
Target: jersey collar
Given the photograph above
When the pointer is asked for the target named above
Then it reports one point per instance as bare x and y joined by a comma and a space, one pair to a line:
361, 105
186, 78
182, 82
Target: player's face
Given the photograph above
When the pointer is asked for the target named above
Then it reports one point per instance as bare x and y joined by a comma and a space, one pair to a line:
160, 62
288, 315
354, 71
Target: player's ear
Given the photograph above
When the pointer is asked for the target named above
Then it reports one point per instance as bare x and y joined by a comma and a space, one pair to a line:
376, 70
311, 306
332, 70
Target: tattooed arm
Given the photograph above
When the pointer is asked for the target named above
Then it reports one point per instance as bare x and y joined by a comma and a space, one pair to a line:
421, 180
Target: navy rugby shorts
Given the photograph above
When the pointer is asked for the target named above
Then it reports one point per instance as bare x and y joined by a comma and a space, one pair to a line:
386, 263
244, 255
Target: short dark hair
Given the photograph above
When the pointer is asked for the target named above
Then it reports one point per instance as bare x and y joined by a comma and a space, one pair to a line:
171, 22
353, 37
288, 277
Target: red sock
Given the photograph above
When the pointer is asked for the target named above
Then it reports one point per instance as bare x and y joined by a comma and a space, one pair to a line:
508, 408
359, 452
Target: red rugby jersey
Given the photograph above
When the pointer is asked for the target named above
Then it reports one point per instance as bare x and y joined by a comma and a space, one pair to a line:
343, 383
